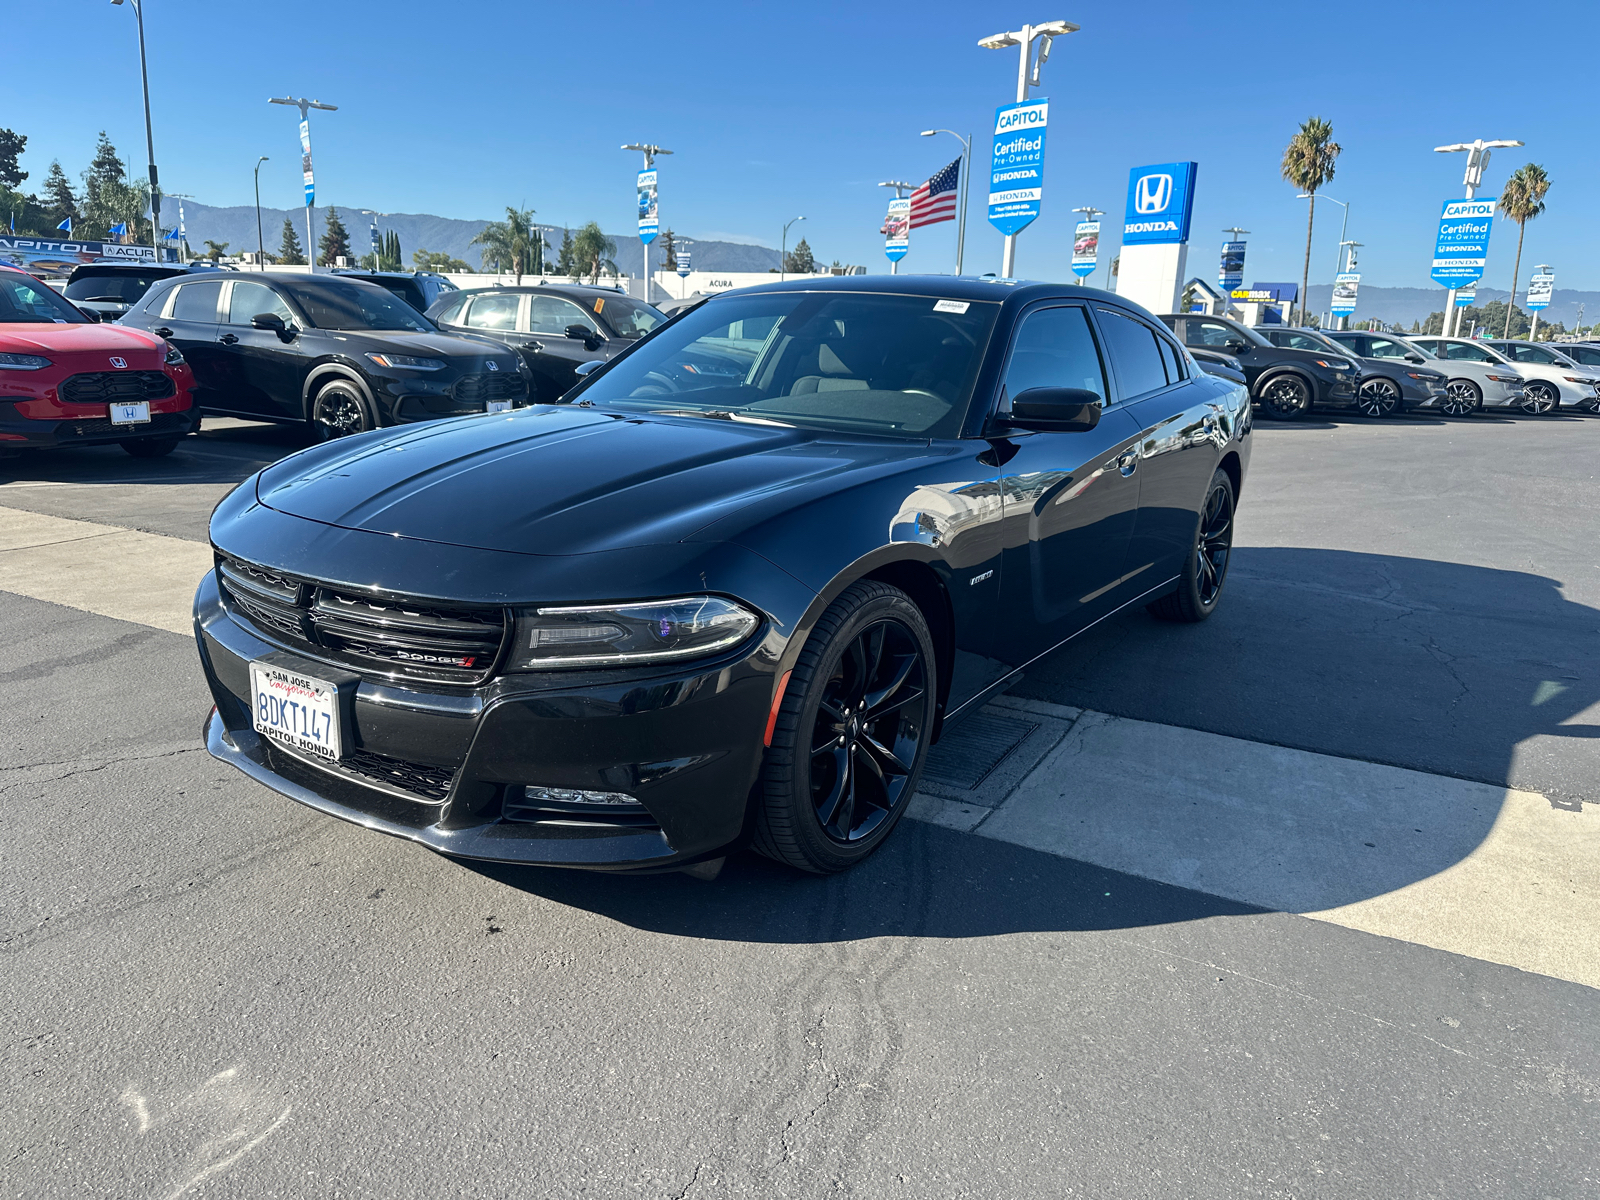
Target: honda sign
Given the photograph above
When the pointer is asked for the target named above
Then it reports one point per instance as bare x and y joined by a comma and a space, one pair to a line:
1160, 198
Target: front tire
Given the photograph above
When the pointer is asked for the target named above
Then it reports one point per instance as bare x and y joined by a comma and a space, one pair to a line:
1285, 397
852, 733
1378, 397
340, 410
150, 447
1462, 398
1200, 585
1540, 397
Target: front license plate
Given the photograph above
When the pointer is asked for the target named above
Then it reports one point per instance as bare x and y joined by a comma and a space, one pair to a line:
497, 406
131, 414
295, 710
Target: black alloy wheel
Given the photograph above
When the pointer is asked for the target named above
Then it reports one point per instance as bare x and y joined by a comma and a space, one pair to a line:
1462, 398
1539, 397
150, 447
1378, 397
1285, 397
1200, 586
339, 410
852, 733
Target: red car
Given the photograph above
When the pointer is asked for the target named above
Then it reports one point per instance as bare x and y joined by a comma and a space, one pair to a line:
66, 380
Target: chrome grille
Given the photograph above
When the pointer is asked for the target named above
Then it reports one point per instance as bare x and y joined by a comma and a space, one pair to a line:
106, 387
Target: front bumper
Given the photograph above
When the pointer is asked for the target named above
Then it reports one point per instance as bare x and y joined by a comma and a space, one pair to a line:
24, 433
686, 742
1338, 388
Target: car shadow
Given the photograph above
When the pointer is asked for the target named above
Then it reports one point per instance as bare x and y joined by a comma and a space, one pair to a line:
223, 455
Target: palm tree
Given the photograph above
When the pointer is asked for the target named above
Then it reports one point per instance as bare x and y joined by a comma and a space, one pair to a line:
509, 242
1522, 200
592, 251
1308, 164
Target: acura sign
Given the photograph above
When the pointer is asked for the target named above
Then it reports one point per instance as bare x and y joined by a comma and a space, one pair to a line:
1160, 198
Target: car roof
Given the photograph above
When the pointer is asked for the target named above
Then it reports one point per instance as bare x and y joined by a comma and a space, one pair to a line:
560, 289
142, 267
360, 274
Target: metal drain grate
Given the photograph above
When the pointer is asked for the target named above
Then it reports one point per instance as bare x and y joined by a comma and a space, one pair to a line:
973, 747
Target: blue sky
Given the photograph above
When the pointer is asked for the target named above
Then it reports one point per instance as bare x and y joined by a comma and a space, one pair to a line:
776, 110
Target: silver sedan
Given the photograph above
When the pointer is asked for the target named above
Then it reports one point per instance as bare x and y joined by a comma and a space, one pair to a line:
1479, 377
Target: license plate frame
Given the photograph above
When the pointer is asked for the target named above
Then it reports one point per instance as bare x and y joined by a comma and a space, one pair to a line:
296, 710
497, 406
136, 412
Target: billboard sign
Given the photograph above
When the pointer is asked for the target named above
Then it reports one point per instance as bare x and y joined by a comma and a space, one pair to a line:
897, 229
1540, 290
1231, 273
1085, 247
1345, 286
1467, 295
1266, 293
305, 164
649, 217
48, 258
1160, 199
1016, 172
1462, 248
683, 262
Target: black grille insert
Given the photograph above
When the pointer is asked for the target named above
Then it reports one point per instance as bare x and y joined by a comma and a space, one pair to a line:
491, 385
421, 779
99, 427
106, 387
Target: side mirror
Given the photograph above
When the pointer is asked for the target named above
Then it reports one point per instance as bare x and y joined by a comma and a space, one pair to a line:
1236, 346
93, 314
268, 320
584, 368
1055, 410
1415, 358
582, 333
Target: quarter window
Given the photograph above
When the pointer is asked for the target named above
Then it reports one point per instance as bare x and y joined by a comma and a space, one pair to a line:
494, 312
197, 301
250, 300
1134, 352
1054, 348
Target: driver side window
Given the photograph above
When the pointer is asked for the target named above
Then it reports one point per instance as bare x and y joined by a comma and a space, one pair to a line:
1054, 348
1468, 353
552, 314
1211, 334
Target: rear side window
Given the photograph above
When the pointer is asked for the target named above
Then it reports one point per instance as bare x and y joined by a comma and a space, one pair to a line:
1172, 360
1589, 356
197, 301
1054, 348
1134, 353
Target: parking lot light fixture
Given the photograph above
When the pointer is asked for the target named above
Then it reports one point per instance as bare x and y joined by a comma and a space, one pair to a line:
261, 241
649, 150
304, 106
1030, 65
783, 250
1477, 152
149, 138
966, 177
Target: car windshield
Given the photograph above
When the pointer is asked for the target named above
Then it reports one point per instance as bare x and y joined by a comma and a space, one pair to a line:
352, 305
630, 319
24, 299
893, 365
124, 287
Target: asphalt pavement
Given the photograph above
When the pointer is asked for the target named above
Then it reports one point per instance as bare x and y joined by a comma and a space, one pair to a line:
212, 992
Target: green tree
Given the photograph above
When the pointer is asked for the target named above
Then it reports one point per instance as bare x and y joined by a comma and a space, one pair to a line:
438, 260
60, 202
215, 250
290, 253
800, 260
669, 252
392, 261
11, 147
509, 243
592, 251
1499, 319
1521, 201
566, 262
335, 241
1308, 164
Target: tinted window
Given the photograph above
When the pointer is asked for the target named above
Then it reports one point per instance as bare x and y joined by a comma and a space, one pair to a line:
493, 312
1589, 356
24, 299
1132, 345
452, 309
552, 314
406, 290
1467, 352
1291, 340
1386, 348
351, 305
1214, 334
1530, 354
197, 301
627, 316
252, 299
1054, 348
121, 286
1172, 360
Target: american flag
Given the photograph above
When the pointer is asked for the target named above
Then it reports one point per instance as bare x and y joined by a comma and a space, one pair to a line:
935, 200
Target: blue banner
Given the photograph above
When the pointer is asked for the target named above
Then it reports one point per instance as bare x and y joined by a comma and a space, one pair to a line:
649, 214
1160, 199
1231, 274
1462, 248
1016, 172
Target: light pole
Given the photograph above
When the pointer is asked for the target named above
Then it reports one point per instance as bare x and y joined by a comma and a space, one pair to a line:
1348, 250
1090, 213
901, 187
649, 150
1029, 67
1344, 225
261, 241
1477, 161
783, 250
149, 138
305, 146
377, 256
966, 173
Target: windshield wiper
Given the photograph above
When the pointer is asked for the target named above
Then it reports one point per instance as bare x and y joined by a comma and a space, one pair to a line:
718, 414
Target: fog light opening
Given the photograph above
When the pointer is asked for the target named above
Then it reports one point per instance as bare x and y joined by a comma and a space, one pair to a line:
577, 797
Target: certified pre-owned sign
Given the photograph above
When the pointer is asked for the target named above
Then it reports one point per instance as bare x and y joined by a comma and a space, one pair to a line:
1016, 175
1462, 249
1159, 200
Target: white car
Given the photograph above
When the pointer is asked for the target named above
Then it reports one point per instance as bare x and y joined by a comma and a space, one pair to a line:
1469, 385
1565, 369
1545, 388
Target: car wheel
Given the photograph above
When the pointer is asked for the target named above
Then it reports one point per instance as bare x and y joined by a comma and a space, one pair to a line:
1200, 585
1285, 397
1378, 397
1540, 397
851, 735
150, 447
1462, 398
340, 410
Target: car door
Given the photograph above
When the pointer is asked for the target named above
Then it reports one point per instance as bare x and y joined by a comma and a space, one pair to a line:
494, 315
555, 357
1181, 432
189, 321
1069, 499
263, 370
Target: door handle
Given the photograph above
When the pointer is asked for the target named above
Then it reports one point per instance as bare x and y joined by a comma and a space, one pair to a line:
161, 331
1127, 463
227, 339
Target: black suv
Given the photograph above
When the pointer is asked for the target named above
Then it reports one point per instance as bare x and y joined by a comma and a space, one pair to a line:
1386, 386
1285, 383
111, 289
556, 329
420, 289
339, 353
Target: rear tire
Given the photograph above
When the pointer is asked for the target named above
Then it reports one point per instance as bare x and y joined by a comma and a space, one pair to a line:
1462, 398
1200, 585
150, 447
851, 735
340, 410
1285, 397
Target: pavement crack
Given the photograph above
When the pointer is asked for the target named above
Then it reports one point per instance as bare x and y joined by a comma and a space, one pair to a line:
693, 1179
85, 767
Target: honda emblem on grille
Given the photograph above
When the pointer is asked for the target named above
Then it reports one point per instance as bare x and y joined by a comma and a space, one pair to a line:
119, 363
493, 366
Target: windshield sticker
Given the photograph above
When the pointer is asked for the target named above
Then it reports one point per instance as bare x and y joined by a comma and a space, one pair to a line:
599, 304
951, 306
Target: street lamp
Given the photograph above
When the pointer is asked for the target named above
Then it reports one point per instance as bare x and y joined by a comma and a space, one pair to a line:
1343, 226
1090, 213
966, 171
901, 187
377, 255
149, 139
305, 146
1477, 152
261, 241
783, 249
649, 150
1029, 67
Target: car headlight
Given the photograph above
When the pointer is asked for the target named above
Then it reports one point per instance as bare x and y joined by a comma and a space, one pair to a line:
606, 635
1504, 378
1579, 379
174, 356
1426, 376
406, 360
1335, 364
23, 362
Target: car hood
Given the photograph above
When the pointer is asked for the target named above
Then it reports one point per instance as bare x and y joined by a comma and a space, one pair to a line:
564, 480
88, 338
460, 351
1309, 357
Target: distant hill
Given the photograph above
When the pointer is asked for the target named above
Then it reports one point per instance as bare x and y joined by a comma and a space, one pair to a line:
1405, 305
423, 231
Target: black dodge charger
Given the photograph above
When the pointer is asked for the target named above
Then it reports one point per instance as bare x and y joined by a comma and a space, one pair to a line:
688, 609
